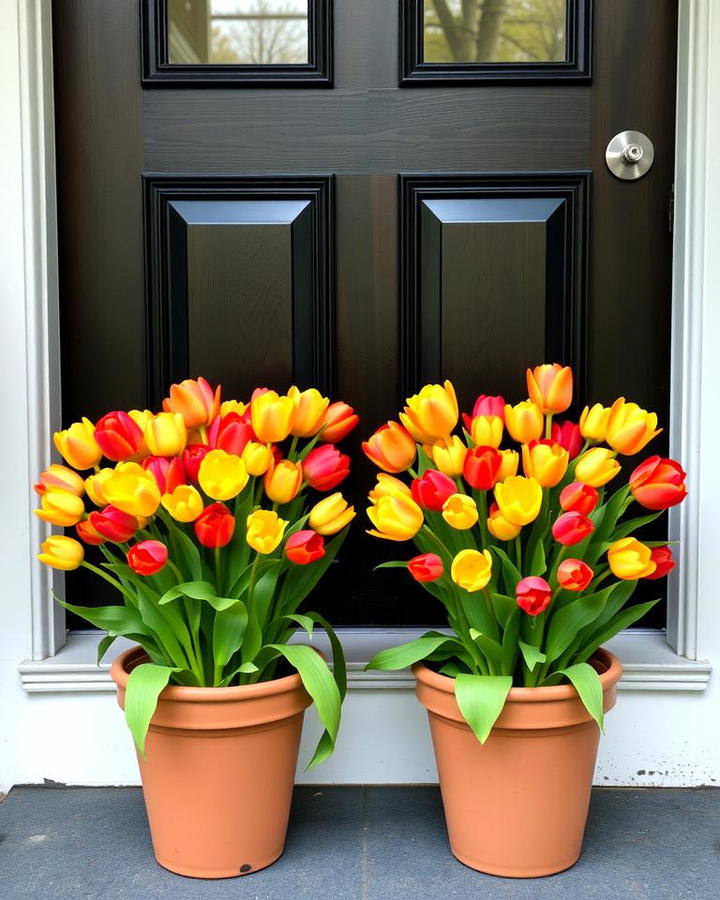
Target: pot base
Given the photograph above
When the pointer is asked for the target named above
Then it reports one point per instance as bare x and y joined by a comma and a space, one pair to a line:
515, 871
214, 873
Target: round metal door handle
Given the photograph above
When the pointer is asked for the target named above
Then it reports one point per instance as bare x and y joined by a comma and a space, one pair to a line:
630, 155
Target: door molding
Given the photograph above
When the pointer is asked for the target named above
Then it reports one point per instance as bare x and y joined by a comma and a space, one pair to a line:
695, 274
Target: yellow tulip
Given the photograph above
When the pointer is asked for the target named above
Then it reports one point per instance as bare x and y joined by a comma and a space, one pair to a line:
388, 486
57, 476
460, 511
61, 552
222, 475
550, 387
448, 454
432, 413
508, 464
546, 461
265, 530
630, 428
166, 434
60, 508
487, 431
524, 421
594, 422
499, 527
596, 467
77, 445
519, 499
132, 489
184, 504
331, 514
94, 486
271, 416
258, 458
309, 411
396, 518
629, 559
235, 406
283, 482
471, 569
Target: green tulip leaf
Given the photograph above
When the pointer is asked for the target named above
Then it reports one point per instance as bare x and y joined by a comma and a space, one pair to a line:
481, 699
144, 686
531, 655
586, 682
406, 654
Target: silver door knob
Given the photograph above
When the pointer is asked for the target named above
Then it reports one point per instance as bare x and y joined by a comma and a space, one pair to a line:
630, 155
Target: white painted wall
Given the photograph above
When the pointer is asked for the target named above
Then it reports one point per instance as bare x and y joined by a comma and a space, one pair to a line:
80, 738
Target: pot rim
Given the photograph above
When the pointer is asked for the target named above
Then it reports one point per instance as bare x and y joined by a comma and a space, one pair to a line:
609, 676
120, 674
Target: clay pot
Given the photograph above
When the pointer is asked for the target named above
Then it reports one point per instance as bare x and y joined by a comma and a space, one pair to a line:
517, 805
219, 772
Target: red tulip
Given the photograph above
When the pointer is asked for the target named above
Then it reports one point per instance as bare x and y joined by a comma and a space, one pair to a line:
87, 533
304, 547
568, 435
114, 524
147, 557
482, 467
579, 497
486, 406
574, 574
664, 562
339, 421
432, 489
230, 433
533, 595
325, 467
571, 528
426, 567
118, 436
214, 526
658, 483
192, 456
169, 473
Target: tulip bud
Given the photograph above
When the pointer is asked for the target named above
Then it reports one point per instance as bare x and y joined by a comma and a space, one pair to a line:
567, 434
258, 458
229, 433
545, 461
147, 557
524, 421
550, 387
60, 507
664, 562
396, 518
593, 423
166, 434
629, 559
533, 595
431, 414
499, 527
77, 445
482, 467
57, 477
387, 485
519, 499
460, 512
222, 475
658, 483
88, 534
471, 569
283, 481
113, 524
574, 575
325, 467
596, 467
265, 530
392, 448
339, 421
331, 514
61, 552
168, 473
214, 526
432, 489
629, 427
271, 416
448, 454
184, 503
487, 431
118, 436
304, 547
426, 567
195, 402
578, 497
571, 527
133, 490
309, 411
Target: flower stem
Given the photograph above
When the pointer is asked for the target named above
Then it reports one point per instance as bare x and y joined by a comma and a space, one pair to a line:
518, 553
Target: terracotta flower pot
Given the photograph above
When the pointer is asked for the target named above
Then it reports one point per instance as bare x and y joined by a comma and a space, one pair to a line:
219, 772
517, 805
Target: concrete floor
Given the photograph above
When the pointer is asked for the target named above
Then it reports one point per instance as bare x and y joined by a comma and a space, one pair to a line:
354, 843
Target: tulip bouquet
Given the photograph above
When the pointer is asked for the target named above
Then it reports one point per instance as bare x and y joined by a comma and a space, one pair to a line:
200, 512
534, 570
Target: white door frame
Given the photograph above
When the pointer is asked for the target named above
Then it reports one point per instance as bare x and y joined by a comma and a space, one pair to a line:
670, 671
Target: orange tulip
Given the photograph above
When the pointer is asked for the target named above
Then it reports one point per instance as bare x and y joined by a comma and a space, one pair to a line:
524, 421
391, 448
630, 428
432, 413
546, 461
196, 402
77, 445
550, 387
